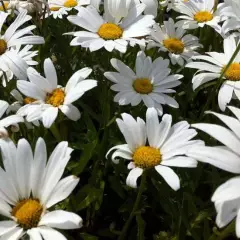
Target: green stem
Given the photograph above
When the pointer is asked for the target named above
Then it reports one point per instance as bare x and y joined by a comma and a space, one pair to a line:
220, 79
135, 207
228, 231
55, 132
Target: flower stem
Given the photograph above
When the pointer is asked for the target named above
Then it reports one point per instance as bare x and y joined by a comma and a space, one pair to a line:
135, 207
55, 132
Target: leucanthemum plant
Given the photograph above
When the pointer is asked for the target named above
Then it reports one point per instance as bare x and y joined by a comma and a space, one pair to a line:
30, 185
167, 146
48, 97
197, 14
13, 37
151, 83
58, 8
121, 24
211, 66
174, 40
227, 157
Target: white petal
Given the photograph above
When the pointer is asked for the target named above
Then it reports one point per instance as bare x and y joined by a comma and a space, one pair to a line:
169, 176
50, 73
61, 220
62, 190
132, 177
71, 112
49, 116
50, 234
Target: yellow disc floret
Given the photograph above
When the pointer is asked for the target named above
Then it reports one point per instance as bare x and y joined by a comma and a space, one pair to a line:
143, 85
233, 72
70, 3
29, 100
146, 157
110, 31
3, 46
54, 9
28, 213
56, 98
174, 45
203, 16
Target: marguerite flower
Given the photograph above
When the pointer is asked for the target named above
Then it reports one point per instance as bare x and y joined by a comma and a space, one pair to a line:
151, 83
32, 106
226, 157
58, 8
50, 97
230, 13
7, 121
30, 186
155, 145
210, 67
198, 14
122, 23
13, 37
174, 40
26, 54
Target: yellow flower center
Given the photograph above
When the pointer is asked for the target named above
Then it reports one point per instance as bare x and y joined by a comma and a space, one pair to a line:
233, 72
147, 157
5, 6
28, 213
56, 98
3, 46
203, 16
143, 85
110, 31
70, 3
29, 100
174, 45
53, 9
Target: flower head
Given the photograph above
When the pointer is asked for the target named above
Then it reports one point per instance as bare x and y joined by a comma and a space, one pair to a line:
198, 14
50, 97
155, 145
212, 65
174, 40
121, 24
151, 83
30, 185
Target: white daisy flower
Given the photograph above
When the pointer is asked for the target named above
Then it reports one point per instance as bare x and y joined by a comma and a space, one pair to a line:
19, 103
7, 121
30, 186
198, 14
226, 157
151, 83
167, 146
211, 67
50, 97
230, 13
58, 8
26, 54
121, 24
174, 40
13, 37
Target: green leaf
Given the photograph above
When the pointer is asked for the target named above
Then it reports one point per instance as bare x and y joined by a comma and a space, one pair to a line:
141, 227
86, 236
